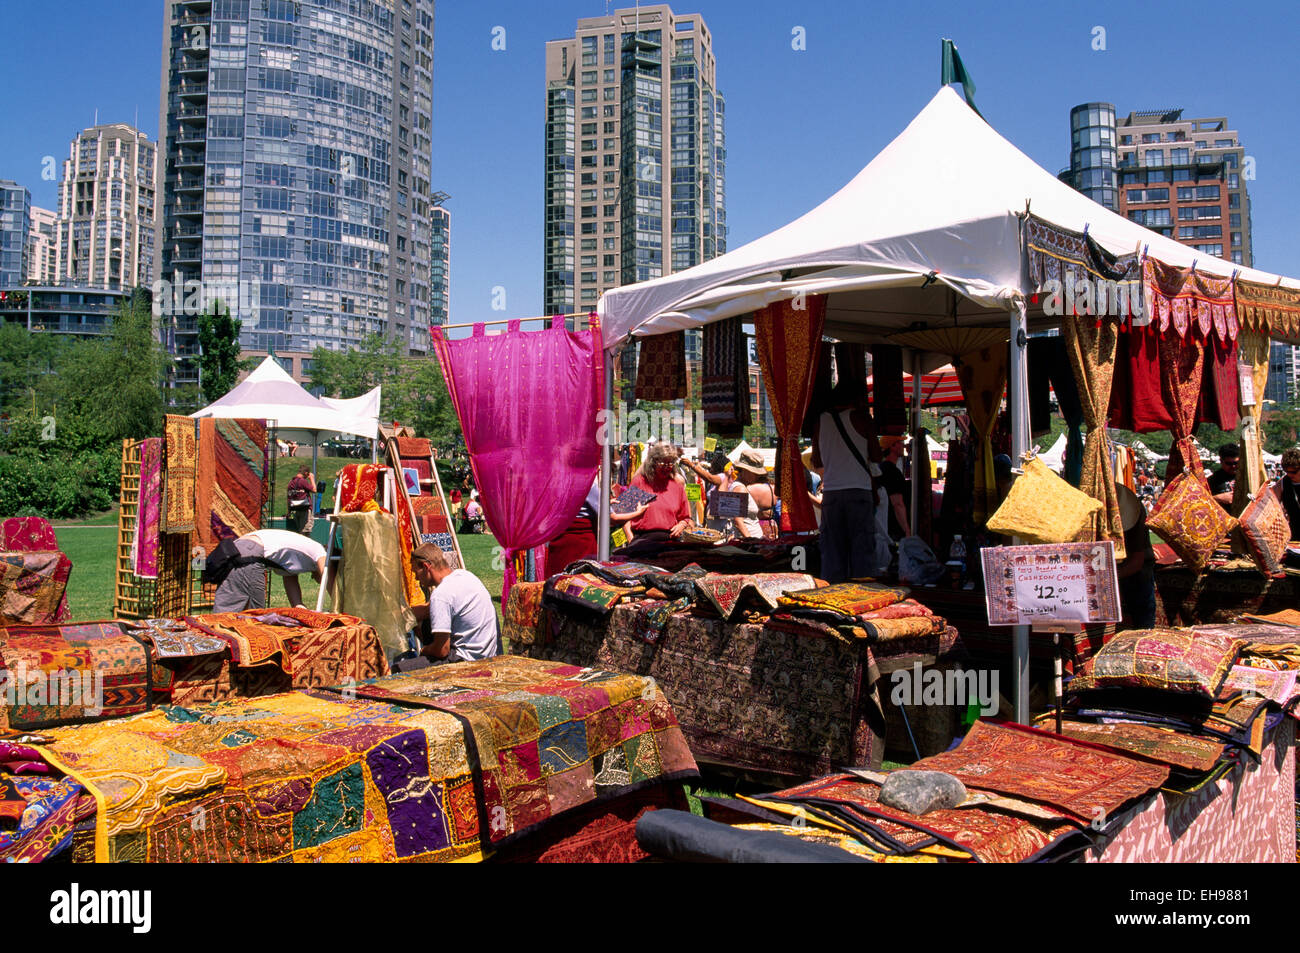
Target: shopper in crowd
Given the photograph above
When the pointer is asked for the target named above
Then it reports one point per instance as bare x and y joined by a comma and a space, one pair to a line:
1288, 489
842, 448
301, 492
760, 511
891, 478
718, 480
814, 478
1223, 480
668, 513
238, 567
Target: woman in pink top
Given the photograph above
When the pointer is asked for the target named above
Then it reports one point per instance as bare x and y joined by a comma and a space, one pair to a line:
668, 511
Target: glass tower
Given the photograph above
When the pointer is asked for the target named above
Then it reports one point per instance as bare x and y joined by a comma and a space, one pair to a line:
1092, 153
15, 223
295, 161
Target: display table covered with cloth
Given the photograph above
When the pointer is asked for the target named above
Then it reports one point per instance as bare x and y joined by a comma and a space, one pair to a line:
751, 696
33, 573
452, 763
1221, 595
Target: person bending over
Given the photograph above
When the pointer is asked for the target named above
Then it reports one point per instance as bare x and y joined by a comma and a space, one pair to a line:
462, 620
239, 567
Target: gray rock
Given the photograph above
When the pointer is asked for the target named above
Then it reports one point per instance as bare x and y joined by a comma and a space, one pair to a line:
919, 792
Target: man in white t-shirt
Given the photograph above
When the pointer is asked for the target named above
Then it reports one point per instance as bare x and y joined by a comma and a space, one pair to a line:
288, 555
462, 620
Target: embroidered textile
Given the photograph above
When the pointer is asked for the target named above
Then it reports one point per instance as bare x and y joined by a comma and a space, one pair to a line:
1059, 254
368, 583
620, 574
1172, 660
1137, 399
1091, 349
845, 598
787, 339
1277, 687
51, 808
144, 541
1071, 776
293, 777
678, 584
66, 674
1267, 531
1190, 520
523, 613
1189, 300
1220, 388
180, 460
989, 835
34, 587
229, 479
415, 447
548, 737
587, 590
1043, 508
27, 534
1174, 748
661, 367
725, 594
1268, 309
173, 638
724, 391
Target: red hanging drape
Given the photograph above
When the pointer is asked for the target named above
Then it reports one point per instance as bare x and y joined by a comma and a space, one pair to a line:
787, 338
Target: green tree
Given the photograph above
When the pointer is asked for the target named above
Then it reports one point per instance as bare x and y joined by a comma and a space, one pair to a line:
219, 347
1281, 428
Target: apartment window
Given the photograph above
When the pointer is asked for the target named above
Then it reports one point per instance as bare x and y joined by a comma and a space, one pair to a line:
1234, 200
1223, 143
611, 176
611, 277
589, 95
1234, 220
611, 94
1153, 157
610, 127
589, 78
610, 261
1179, 156
1236, 238
1151, 137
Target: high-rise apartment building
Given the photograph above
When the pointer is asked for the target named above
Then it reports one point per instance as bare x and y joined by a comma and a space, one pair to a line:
15, 223
296, 150
106, 215
42, 247
635, 156
440, 260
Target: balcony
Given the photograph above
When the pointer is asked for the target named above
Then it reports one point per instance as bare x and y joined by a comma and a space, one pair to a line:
192, 115
193, 89
189, 209
192, 183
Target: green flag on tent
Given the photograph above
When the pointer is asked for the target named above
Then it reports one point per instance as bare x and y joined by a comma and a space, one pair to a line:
954, 71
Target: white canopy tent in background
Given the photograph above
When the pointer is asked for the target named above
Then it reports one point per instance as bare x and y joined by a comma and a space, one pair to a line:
1054, 457
269, 393
926, 236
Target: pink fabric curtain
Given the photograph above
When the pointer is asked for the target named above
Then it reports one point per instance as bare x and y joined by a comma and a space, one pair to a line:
527, 403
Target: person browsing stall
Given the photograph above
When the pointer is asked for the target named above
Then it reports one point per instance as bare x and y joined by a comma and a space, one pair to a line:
891, 477
1287, 489
1223, 480
463, 622
752, 476
239, 567
668, 512
841, 449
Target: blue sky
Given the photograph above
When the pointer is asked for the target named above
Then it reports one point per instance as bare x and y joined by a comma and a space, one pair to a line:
799, 123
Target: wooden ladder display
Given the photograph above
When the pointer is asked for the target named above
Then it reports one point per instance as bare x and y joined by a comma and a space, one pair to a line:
430, 488
388, 487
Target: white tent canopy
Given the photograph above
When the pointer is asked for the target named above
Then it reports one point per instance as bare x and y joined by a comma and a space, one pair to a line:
362, 412
269, 393
941, 200
1055, 456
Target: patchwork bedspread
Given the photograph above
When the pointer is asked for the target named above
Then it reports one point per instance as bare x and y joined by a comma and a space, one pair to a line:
33, 587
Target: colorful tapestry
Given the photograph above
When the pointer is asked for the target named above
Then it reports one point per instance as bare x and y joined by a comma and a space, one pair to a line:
1062, 255
51, 808
724, 382
548, 737
726, 594
1190, 520
1277, 686
34, 587
292, 777
173, 638
787, 335
1174, 748
428, 507
661, 367
1267, 530
1268, 309
358, 489
414, 448
251, 641
523, 613
1085, 781
180, 461
587, 590
652, 617
844, 598
229, 479
620, 574
987, 835
1091, 349
752, 696
1220, 387
27, 534
1172, 660
368, 583
144, 541
66, 674
1189, 300
676, 585
358, 486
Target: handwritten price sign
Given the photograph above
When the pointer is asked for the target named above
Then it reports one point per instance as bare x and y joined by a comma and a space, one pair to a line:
1060, 582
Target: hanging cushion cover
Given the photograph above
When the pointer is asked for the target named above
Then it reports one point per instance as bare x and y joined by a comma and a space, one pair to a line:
1043, 508
1190, 520
1267, 531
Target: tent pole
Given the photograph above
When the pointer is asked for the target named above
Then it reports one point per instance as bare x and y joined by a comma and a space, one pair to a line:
916, 427
1018, 403
606, 459
315, 444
